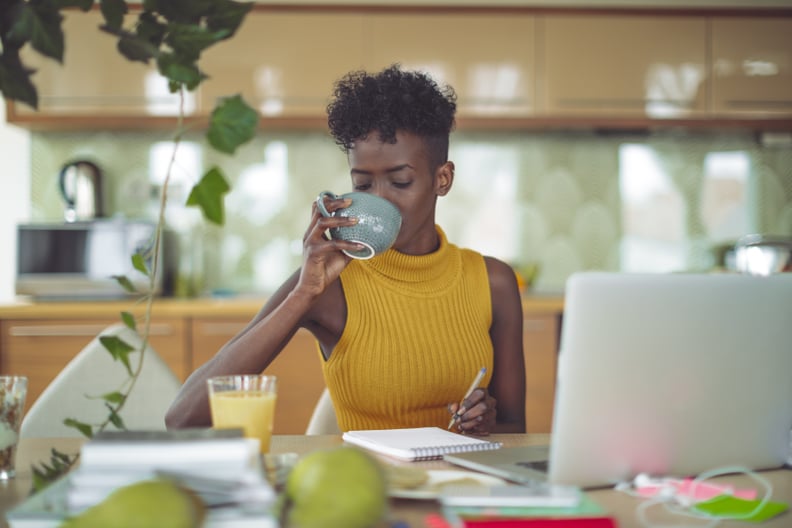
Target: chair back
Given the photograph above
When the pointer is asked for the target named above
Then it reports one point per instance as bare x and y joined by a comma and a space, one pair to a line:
76, 391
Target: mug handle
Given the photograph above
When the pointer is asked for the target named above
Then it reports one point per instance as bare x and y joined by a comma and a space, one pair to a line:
320, 202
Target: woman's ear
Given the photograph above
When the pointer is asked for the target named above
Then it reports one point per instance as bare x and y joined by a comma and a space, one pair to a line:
444, 178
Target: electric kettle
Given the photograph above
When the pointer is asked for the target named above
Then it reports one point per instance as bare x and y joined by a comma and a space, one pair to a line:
80, 183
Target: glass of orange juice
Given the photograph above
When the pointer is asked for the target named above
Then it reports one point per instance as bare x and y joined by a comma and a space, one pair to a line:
245, 401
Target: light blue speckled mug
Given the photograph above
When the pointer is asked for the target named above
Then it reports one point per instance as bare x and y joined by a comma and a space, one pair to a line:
378, 224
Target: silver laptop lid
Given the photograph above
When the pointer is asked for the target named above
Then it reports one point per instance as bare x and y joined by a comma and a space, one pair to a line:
672, 375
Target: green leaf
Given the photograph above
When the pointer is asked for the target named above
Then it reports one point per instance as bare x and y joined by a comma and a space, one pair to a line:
227, 15
113, 12
208, 195
150, 30
84, 428
115, 418
125, 283
136, 49
184, 11
15, 80
114, 397
232, 124
189, 41
44, 475
43, 26
129, 320
139, 263
119, 349
180, 70
84, 5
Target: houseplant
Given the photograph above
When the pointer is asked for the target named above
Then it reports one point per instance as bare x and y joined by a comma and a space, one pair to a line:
173, 34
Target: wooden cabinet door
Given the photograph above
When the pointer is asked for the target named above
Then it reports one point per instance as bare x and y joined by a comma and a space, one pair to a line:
540, 346
752, 67
624, 66
487, 58
298, 368
284, 64
95, 79
40, 349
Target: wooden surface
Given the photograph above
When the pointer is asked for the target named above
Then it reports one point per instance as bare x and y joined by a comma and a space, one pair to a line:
414, 512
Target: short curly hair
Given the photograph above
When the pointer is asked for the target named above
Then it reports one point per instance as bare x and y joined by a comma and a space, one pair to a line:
390, 101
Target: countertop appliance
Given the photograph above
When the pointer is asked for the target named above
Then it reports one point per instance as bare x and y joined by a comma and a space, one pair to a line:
81, 187
77, 260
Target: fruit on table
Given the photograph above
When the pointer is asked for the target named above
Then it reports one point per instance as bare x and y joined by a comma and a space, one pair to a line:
341, 487
155, 503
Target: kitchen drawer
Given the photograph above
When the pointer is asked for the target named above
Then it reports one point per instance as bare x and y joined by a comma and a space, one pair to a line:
298, 368
40, 349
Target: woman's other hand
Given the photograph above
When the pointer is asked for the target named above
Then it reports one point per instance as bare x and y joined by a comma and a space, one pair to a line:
478, 412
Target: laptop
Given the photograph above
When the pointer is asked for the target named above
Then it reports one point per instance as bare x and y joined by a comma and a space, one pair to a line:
664, 374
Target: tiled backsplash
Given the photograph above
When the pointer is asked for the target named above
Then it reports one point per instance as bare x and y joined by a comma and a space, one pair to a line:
568, 201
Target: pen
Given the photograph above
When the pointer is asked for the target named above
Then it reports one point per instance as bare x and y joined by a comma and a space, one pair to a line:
473, 387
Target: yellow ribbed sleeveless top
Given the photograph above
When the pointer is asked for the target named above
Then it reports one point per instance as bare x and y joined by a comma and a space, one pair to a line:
416, 334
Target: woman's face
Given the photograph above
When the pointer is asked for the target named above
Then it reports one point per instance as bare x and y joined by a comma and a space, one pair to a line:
400, 173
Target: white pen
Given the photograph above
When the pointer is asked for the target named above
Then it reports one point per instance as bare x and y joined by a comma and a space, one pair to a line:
473, 386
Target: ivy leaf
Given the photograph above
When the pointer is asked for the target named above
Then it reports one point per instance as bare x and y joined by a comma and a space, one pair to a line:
135, 49
189, 40
233, 123
41, 23
139, 263
227, 15
129, 320
84, 428
119, 349
185, 11
208, 195
113, 12
15, 80
150, 30
179, 70
115, 418
44, 474
125, 283
114, 397
84, 5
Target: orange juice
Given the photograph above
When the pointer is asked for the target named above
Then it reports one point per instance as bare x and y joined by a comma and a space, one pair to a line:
252, 410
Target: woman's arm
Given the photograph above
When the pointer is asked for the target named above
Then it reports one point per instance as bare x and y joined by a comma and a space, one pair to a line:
289, 309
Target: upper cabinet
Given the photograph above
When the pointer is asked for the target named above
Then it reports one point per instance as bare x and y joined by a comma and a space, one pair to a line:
487, 58
752, 67
510, 67
624, 66
95, 79
284, 63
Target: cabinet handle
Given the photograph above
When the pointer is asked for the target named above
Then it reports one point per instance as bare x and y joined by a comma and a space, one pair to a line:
86, 330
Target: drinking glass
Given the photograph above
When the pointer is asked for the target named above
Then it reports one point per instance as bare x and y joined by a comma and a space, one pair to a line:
13, 390
245, 401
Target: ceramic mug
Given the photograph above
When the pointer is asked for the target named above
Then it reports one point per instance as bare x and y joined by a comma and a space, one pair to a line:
378, 224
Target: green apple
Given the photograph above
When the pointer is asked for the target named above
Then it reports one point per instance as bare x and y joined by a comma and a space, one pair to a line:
155, 503
341, 487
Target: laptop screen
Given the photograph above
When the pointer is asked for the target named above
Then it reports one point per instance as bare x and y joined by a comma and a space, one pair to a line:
672, 375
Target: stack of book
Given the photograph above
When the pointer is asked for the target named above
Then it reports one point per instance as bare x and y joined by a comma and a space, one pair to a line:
221, 466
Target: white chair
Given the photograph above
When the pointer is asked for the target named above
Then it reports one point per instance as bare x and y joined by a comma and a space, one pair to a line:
92, 372
323, 420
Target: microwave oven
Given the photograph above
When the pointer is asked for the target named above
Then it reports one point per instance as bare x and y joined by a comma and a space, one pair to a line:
78, 260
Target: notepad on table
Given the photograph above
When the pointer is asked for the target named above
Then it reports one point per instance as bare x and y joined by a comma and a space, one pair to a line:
417, 443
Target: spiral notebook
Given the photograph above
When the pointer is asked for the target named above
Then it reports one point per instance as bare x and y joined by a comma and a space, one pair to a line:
417, 443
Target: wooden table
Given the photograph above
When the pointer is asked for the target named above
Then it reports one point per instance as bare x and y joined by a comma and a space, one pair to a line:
622, 506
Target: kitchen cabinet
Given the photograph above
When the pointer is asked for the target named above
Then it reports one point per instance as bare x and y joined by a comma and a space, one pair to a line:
95, 79
284, 63
624, 66
488, 58
752, 67
297, 367
540, 347
40, 349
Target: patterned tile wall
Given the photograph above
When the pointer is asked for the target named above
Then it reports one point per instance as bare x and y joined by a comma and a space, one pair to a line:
568, 201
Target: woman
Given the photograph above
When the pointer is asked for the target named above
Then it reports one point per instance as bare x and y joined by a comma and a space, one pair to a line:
402, 335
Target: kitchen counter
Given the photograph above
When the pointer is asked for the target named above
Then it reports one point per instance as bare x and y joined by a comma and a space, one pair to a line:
198, 307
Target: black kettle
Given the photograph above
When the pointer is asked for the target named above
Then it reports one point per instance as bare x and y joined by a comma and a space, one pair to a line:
80, 183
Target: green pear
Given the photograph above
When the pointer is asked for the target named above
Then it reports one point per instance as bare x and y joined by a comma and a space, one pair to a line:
155, 503
342, 487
